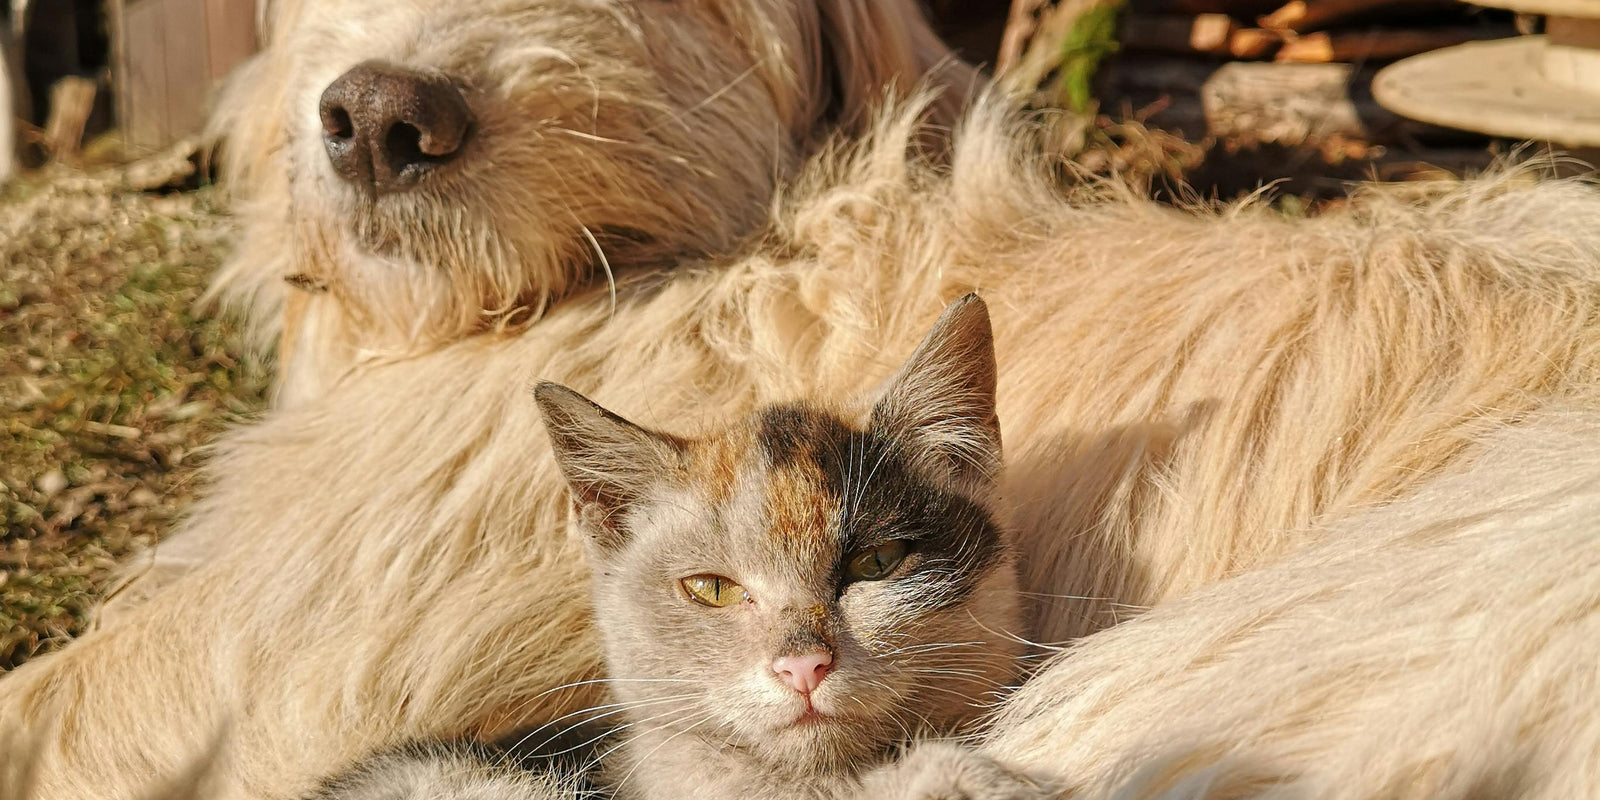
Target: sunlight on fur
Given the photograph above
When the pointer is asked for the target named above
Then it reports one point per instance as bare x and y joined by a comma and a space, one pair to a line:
1186, 397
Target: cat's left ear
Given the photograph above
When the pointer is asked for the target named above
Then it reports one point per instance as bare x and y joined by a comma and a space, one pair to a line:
942, 401
608, 461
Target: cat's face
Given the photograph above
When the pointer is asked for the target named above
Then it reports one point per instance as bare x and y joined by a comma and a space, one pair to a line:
804, 588
800, 545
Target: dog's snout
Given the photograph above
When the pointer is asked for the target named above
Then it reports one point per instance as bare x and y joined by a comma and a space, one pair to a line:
385, 126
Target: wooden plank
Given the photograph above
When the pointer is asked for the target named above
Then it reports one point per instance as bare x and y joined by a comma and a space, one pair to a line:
188, 76
8, 122
71, 103
231, 35
116, 28
1498, 88
144, 124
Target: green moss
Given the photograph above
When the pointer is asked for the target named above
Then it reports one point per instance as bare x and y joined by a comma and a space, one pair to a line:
104, 346
1091, 39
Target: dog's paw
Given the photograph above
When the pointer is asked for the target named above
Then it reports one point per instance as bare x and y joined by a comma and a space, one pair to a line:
937, 771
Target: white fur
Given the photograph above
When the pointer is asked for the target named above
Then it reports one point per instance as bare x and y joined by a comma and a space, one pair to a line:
1446, 646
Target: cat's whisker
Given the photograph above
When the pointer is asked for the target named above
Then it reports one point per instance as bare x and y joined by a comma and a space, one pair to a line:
922, 649
948, 670
601, 758
1051, 646
614, 708
955, 679
704, 716
528, 703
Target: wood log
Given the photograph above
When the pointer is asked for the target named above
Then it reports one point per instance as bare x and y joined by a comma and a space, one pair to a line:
1379, 45
1303, 16
1209, 34
1216, 35
1243, 9
1022, 22
8, 120
1252, 43
71, 103
1285, 104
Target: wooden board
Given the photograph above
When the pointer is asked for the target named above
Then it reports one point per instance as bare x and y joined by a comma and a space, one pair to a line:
142, 86
188, 76
169, 56
1497, 87
8, 122
1554, 8
231, 34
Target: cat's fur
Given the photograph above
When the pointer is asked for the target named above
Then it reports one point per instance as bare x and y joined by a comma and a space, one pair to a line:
446, 771
779, 504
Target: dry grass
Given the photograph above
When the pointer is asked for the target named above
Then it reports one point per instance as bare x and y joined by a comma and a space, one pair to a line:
110, 383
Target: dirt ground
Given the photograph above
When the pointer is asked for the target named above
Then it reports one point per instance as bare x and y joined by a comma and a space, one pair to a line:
112, 381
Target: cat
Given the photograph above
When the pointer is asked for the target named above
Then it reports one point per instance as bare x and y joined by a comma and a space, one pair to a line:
787, 601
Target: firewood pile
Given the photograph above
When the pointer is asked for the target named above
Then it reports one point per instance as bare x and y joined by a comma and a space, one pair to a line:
1305, 31
1244, 74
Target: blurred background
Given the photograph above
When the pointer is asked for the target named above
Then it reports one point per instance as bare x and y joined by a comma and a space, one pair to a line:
112, 380
1224, 94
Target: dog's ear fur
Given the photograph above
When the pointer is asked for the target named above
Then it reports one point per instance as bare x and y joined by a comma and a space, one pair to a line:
860, 49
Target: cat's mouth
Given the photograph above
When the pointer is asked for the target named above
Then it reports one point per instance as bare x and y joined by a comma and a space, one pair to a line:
810, 716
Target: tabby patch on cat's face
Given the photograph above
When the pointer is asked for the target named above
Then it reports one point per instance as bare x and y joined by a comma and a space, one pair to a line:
820, 602
801, 586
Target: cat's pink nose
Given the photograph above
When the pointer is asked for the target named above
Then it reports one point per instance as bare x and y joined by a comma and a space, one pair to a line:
803, 673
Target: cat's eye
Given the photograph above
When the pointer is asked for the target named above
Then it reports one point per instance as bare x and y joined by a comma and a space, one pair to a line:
713, 590
875, 563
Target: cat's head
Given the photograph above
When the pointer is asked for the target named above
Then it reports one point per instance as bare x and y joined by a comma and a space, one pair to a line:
807, 586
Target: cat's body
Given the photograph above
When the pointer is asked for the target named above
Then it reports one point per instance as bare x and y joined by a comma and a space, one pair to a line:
783, 602
449, 771
786, 602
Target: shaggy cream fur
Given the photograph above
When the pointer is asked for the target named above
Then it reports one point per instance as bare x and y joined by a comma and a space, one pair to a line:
1181, 394
1184, 394
609, 135
1447, 646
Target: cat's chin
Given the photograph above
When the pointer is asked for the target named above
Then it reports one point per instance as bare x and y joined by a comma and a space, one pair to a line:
810, 717
819, 732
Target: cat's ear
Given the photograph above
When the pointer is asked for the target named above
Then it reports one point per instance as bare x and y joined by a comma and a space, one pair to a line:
942, 402
608, 461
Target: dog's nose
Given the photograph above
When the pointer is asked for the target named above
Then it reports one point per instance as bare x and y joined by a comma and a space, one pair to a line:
803, 673
386, 126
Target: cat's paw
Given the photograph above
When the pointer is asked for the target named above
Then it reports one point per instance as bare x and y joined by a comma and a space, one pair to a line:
937, 771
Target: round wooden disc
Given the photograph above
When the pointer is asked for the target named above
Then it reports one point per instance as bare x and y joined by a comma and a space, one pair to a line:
1496, 87
1555, 8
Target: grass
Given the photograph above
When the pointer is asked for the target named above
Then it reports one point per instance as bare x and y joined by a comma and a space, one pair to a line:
1089, 41
111, 381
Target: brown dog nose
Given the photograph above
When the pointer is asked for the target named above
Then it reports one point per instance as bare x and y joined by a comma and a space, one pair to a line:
386, 127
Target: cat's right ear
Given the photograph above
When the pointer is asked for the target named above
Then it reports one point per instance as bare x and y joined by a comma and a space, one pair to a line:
942, 401
608, 461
